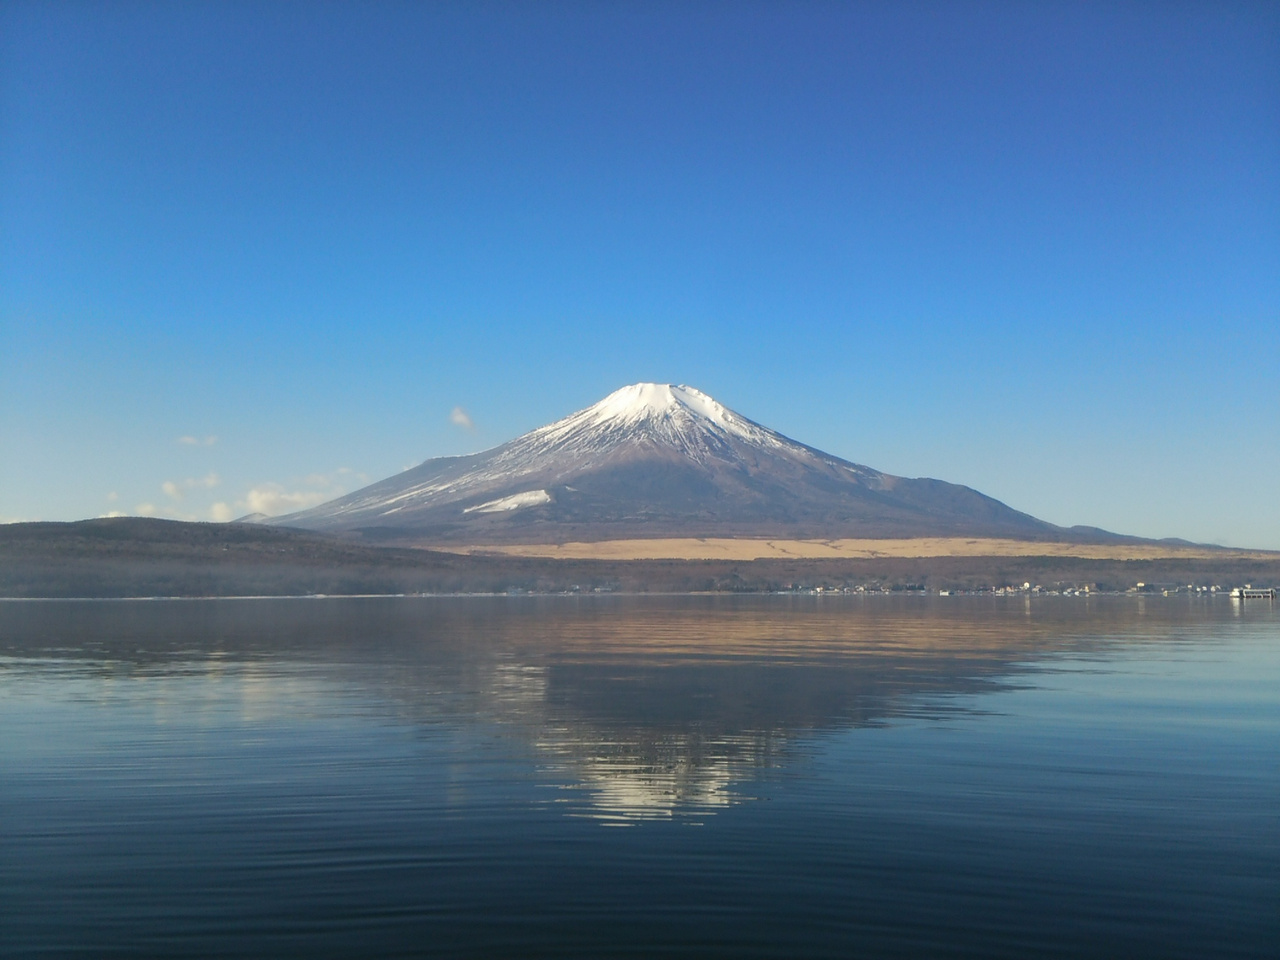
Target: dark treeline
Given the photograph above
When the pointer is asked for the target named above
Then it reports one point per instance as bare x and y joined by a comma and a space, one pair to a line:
130, 557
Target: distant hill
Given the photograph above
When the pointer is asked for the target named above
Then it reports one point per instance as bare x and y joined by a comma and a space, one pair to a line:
138, 556
656, 460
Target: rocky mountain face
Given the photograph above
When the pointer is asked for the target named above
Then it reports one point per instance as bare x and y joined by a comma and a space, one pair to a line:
657, 460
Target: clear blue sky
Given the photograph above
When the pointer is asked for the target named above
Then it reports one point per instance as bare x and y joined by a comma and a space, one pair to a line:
1029, 247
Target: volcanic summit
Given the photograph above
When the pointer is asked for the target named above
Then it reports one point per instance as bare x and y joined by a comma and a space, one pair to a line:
659, 460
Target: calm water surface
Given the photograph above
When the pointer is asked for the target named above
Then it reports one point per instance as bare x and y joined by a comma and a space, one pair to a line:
600, 777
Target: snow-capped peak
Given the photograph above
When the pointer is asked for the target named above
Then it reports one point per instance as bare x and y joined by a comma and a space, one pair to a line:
644, 400
674, 414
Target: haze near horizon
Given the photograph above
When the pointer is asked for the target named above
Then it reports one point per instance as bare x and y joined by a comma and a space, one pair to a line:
253, 258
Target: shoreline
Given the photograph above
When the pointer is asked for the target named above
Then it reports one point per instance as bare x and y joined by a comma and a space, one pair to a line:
603, 594
918, 548
148, 559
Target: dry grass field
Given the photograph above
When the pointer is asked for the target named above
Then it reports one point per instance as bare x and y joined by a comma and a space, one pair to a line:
725, 548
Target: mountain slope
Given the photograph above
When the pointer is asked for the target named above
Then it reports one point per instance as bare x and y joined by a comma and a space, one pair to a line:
659, 460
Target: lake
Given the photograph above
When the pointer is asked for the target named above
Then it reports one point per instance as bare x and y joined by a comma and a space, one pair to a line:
640, 776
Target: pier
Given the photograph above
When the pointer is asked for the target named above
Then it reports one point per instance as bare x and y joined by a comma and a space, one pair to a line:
1253, 593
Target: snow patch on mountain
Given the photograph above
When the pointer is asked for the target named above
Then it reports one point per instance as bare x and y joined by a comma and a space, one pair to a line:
530, 498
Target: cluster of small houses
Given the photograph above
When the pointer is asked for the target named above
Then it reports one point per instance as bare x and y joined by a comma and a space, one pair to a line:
1247, 592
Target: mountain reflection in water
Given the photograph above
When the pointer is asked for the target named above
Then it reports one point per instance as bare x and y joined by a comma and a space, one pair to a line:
801, 778
645, 707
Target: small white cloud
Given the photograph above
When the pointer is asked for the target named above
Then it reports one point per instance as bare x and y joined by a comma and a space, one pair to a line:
221, 512
112, 513
112, 497
191, 441
461, 418
171, 489
210, 480
145, 509
273, 499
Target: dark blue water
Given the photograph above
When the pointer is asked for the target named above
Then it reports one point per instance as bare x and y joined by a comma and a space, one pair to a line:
605, 777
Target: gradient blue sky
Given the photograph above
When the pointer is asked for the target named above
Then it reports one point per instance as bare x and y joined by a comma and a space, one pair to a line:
1029, 247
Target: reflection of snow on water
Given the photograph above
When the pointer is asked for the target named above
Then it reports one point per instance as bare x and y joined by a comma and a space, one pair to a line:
629, 780
620, 773
642, 791
627, 774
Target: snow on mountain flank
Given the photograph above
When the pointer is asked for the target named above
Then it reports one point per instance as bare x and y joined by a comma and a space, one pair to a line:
530, 498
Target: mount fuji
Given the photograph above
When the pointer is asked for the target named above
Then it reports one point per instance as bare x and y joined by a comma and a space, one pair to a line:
659, 460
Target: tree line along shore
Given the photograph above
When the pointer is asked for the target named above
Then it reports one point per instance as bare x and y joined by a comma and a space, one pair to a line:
133, 557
